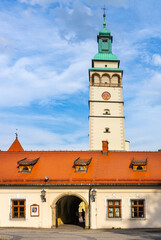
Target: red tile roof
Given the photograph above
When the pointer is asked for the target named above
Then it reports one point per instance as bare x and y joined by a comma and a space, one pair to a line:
59, 167
16, 146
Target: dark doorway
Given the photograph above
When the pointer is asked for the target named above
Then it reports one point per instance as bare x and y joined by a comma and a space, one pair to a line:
70, 210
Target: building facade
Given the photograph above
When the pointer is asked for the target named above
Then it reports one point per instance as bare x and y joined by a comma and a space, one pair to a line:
114, 189
99, 188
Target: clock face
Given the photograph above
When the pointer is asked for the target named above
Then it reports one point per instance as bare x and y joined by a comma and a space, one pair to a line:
106, 95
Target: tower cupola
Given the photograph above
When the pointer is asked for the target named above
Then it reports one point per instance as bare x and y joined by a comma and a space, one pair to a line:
104, 40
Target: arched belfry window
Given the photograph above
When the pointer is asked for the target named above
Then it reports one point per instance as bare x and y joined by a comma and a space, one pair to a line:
115, 81
95, 79
105, 80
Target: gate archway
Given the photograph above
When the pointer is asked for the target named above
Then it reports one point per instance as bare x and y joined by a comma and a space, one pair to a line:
65, 208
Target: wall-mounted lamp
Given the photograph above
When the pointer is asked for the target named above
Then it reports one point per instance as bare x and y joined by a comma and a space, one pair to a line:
43, 194
93, 195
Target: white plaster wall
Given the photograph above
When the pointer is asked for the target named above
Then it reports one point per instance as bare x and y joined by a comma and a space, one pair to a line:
97, 125
152, 208
127, 145
99, 217
32, 196
116, 137
95, 93
97, 108
101, 64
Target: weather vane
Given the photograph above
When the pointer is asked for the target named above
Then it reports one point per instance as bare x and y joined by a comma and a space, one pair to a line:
104, 16
104, 9
16, 134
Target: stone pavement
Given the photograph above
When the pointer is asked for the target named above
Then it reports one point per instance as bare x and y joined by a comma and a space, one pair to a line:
77, 233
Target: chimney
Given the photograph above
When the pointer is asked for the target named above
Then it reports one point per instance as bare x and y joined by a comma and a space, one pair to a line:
104, 148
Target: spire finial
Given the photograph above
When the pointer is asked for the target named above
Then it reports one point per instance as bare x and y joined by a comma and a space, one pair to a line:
104, 17
16, 134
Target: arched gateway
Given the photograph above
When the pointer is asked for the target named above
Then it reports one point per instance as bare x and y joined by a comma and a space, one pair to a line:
65, 209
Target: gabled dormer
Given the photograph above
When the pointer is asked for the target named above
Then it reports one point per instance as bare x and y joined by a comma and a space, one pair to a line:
139, 165
25, 165
81, 165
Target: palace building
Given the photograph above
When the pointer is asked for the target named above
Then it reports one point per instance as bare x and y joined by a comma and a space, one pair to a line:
105, 187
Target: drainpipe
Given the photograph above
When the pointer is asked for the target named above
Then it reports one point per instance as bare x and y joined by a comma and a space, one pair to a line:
89, 206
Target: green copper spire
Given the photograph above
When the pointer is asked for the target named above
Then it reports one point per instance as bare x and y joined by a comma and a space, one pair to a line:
104, 40
104, 31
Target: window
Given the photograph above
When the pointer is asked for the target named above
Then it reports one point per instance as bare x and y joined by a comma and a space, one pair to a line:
106, 112
139, 168
137, 208
105, 80
114, 209
26, 169
139, 165
81, 165
80, 169
95, 79
25, 165
18, 208
107, 130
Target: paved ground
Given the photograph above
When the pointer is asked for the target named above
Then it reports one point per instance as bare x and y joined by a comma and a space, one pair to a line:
77, 233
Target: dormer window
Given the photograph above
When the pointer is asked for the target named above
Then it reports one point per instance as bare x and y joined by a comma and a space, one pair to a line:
26, 169
25, 165
82, 169
139, 165
81, 165
139, 168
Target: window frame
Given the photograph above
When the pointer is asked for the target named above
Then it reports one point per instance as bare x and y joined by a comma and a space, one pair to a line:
137, 206
12, 208
114, 206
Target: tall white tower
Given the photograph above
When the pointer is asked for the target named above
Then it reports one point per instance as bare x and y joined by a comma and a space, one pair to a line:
106, 118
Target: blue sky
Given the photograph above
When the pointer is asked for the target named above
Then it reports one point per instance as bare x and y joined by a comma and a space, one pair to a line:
46, 47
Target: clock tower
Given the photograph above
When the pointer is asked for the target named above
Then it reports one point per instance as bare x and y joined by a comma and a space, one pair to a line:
106, 118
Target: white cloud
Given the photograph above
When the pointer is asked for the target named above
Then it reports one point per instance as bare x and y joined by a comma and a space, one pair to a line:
156, 59
45, 56
44, 3
21, 85
37, 138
